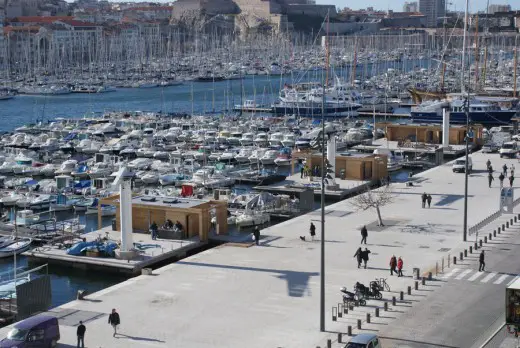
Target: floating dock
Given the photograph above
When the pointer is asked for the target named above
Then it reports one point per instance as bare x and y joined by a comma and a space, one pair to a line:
152, 252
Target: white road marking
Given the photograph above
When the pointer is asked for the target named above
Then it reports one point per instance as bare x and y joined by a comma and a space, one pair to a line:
475, 276
463, 274
513, 280
501, 279
452, 272
488, 277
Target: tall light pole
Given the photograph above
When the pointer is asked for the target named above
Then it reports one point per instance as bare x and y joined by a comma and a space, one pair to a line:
466, 106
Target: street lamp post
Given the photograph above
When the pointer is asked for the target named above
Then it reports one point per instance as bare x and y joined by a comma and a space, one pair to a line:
466, 168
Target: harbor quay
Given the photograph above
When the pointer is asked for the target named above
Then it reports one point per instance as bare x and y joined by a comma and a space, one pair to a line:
269, 295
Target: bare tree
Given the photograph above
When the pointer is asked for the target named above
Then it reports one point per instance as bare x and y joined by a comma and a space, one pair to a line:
374, 199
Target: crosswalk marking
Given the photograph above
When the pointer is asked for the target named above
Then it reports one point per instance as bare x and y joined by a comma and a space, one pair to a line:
452, 272
475, 276
501, 279
463, 274
513, 280
488, 277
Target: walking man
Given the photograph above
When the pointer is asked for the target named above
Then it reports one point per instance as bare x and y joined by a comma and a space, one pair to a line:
364, 234
359, 256
501, 178
481, 262
393, 264
302, 170
312, 231
490, 178
81, 334
505, 169
388, 180
256, 234
364, 256
429, 199
113, 319
423, 198
400, 267
511, 179
512, 169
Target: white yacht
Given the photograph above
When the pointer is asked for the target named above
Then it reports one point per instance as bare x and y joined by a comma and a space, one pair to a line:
247, 139
140, 164
150, 178
100, 169
276, 139
269, 157
289, 140
227, 156
243, 155
261, 140
256, 155
67, 167
235, 138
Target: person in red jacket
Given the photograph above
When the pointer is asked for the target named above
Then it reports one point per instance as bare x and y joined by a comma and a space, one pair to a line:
400, 267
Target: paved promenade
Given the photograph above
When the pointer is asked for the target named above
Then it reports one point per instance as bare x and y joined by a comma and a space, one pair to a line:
268, 296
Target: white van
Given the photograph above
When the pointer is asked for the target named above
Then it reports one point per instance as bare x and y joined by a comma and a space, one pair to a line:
508, 149
459, 166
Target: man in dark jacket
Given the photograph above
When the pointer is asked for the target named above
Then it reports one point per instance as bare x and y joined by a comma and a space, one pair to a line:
364, 234
359, 256
501, 177
423, 199
481, 262
256, 234
393, 265
113, 319
511, 179
81, 334
364, 256
490, 179
312, 231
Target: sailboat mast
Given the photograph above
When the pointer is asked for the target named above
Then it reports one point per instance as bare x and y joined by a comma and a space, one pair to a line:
515, 63
463, 68
484, 70
477, 53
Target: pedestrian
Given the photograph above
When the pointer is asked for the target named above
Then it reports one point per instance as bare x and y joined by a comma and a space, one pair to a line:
481, 262
256, 235
364, 256
490, 169
359, 256
488, 164
429, 199
423, 198
400, 267
490, 178
153, 230
114, 320
505, 169
511, 179
302, 170
501, 177
80, 332
393, 264
388, 180
312, 230
364, 234
512, 169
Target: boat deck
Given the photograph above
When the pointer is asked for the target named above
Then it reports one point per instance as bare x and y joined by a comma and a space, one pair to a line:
159, 250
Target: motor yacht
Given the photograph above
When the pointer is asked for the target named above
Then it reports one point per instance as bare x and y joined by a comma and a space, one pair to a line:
269, 157
67, 167
256, 155
275, 140
150, 178
247, 139
261, 140
243, 155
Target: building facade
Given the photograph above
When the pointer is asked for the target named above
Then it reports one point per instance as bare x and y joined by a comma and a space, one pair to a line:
411, 7
434, 10
493, 8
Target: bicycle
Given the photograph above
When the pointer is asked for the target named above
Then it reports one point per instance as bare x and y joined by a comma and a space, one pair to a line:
382, 284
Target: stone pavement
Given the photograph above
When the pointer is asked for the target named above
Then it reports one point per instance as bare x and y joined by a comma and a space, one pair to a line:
268, 296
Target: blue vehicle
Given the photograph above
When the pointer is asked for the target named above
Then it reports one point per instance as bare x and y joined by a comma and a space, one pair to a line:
41, 331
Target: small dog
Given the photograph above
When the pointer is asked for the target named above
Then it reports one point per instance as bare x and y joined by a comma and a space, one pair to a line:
302, 238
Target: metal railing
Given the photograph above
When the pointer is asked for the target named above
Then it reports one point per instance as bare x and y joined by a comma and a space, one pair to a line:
475, 228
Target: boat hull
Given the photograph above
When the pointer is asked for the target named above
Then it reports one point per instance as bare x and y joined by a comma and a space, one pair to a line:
484, 118
315, 111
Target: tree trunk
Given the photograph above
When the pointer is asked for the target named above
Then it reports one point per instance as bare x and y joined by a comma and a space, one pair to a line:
379, 216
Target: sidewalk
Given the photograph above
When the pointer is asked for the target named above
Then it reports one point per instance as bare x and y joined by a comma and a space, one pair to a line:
268, 296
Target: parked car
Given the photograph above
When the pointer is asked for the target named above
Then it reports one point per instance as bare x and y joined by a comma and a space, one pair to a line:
364, 340
490, 148
41, 331
459, 166
509, 149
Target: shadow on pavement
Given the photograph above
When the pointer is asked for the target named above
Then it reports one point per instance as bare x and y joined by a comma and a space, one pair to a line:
137, 338
426, 344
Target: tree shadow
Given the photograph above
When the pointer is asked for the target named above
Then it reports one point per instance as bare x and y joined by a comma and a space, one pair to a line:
297, 282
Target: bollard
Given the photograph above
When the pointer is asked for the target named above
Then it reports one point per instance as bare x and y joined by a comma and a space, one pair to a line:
494, 233
401, 295
386, 306
454, 260
409, 290
359, 324
503, 227
465, 252
416, 285
490, 237
461, 257
498, 230
349, 330
377, 312
507, 224
485, 239
442, 265
368, 318
393, 301
340, 310
423, 282
329, 343
339, 338
476, 246
345, 309
515, 219
480, 243
511, 221
471, 249
334, 313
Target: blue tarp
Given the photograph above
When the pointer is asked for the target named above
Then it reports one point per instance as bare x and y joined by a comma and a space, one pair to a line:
315, 122
80, 248
70, 136
31, 182
83, 184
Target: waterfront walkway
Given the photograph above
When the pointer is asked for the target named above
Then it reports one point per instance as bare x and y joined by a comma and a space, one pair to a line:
268, 296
